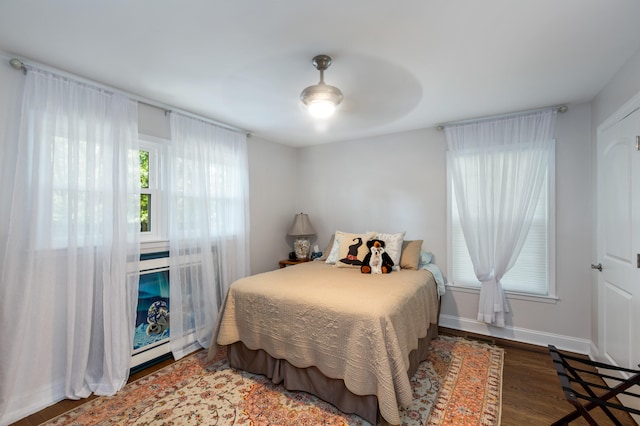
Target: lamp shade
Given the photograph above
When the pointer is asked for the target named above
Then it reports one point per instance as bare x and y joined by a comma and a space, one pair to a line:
301, 226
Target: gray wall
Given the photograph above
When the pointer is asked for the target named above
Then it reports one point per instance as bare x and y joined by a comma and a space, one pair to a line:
272, 180
390, 183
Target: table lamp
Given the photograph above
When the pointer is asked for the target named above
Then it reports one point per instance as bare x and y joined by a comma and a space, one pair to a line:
301, 229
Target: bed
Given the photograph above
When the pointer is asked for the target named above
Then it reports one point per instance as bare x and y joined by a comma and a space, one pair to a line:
352, 339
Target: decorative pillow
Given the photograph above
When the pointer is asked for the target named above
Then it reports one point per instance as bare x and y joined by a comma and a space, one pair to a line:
393, 246
425, 258
352, 248
410, 258
325, 253
332, 257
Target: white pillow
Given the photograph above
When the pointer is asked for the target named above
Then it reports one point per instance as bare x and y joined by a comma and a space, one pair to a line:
352, 249
393, 246
425, 258
332, 258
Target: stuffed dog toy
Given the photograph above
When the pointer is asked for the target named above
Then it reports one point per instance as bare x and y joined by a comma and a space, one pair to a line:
377, 261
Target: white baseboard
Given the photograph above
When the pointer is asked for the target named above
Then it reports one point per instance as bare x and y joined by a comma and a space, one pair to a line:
534, 337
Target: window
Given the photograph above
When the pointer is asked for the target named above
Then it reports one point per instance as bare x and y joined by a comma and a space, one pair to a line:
77, 185
212, 189
223, 190
533, 272
145, 197
152, 199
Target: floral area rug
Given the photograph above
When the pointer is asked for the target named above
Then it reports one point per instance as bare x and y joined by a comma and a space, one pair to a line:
471, 390
459, 384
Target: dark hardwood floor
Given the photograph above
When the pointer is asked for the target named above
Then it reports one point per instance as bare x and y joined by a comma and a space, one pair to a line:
531, 393
68, 404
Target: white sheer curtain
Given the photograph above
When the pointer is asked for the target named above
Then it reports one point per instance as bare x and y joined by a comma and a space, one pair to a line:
498, 167
67, 300
208, 226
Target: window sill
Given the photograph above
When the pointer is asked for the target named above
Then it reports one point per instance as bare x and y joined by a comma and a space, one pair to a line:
153, 246
509, 294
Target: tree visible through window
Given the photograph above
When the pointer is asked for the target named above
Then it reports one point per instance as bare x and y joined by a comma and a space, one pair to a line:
145, 198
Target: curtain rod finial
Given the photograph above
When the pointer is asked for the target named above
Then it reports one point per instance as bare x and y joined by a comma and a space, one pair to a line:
18, 64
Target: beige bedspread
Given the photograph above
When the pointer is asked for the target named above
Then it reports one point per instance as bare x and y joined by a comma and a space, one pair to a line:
352, 326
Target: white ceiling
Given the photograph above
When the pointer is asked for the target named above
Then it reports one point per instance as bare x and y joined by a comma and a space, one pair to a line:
401, 64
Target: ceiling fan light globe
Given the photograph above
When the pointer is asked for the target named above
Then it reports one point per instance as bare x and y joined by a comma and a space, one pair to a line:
321, 108
321, 99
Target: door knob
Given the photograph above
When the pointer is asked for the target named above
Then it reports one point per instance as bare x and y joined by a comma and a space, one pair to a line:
598, 266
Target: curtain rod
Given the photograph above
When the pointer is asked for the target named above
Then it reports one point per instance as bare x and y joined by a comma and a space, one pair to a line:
559, 108
20, 65
168, 112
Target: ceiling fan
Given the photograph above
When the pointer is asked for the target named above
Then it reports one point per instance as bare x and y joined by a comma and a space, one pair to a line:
321, 99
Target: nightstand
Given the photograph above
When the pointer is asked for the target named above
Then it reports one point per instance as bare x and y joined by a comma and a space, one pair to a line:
285, 262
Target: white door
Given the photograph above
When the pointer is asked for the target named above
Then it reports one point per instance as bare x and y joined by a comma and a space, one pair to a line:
618, 180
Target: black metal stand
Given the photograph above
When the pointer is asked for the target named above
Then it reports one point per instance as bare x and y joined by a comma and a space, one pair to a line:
570, 368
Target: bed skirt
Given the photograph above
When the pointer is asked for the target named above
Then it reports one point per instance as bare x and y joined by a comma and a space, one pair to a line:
311, 380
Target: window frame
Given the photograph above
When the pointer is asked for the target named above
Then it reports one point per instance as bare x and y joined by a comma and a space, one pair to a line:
157, 210
466, 287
